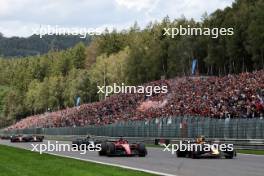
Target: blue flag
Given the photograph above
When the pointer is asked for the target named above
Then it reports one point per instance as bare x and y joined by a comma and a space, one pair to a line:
78, 101
194, 63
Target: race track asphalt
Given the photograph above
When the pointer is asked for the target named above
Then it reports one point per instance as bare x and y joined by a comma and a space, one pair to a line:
164, 162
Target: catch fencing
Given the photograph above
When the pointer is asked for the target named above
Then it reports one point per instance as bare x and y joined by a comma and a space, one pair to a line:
178, 127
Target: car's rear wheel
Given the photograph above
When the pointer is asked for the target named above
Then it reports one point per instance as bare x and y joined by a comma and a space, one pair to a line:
103, 150
229, 155
142, 151
110, 149
181, 154
83, 146
194, 155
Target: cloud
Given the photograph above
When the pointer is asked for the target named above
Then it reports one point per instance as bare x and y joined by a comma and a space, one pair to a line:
192, 8
18, 17
137, 4
3, 7
17, 28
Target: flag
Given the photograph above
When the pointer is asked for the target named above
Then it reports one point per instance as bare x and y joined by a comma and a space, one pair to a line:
78, 101
194, 63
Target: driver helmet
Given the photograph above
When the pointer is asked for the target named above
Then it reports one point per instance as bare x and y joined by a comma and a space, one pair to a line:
200, 139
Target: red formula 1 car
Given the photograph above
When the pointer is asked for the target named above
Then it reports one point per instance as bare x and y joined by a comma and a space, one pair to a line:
26, 138
121, 147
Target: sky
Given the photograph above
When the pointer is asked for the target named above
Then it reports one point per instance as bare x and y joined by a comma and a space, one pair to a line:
19, 17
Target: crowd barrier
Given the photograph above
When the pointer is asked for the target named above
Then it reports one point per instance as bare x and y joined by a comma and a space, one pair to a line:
170, 127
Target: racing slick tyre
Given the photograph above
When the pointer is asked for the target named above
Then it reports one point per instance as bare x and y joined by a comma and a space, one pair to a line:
110, 148
76, 143
229, 155
103, 150
142, 151
181, 154
195, 155
82, 147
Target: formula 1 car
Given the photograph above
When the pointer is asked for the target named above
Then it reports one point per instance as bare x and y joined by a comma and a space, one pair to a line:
5, 137
26, 138
121, 147
206, 149
85, 143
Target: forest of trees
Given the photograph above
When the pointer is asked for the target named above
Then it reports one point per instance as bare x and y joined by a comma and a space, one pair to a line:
34, 45
53, 81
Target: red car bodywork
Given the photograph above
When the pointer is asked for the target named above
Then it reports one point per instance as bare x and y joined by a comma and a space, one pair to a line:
122, 148
123, 144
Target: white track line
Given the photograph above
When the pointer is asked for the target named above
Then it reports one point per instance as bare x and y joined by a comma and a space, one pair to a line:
250, 154
115, 165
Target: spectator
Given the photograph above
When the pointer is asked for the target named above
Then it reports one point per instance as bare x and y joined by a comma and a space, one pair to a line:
218, 97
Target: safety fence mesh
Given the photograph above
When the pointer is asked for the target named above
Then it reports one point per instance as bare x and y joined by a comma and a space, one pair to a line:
174, 127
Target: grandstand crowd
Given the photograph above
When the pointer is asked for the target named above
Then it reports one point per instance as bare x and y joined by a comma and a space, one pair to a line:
231, 96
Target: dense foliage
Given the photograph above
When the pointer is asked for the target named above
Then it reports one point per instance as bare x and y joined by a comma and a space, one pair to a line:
53, 81
34, 45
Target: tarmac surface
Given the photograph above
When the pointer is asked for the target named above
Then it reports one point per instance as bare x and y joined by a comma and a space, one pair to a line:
167, 164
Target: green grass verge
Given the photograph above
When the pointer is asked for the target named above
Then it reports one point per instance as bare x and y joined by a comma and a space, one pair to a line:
14, 162
254, 152
154, 146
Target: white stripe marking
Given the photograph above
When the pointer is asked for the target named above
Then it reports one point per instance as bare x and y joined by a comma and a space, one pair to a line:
115, 165
250, 154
